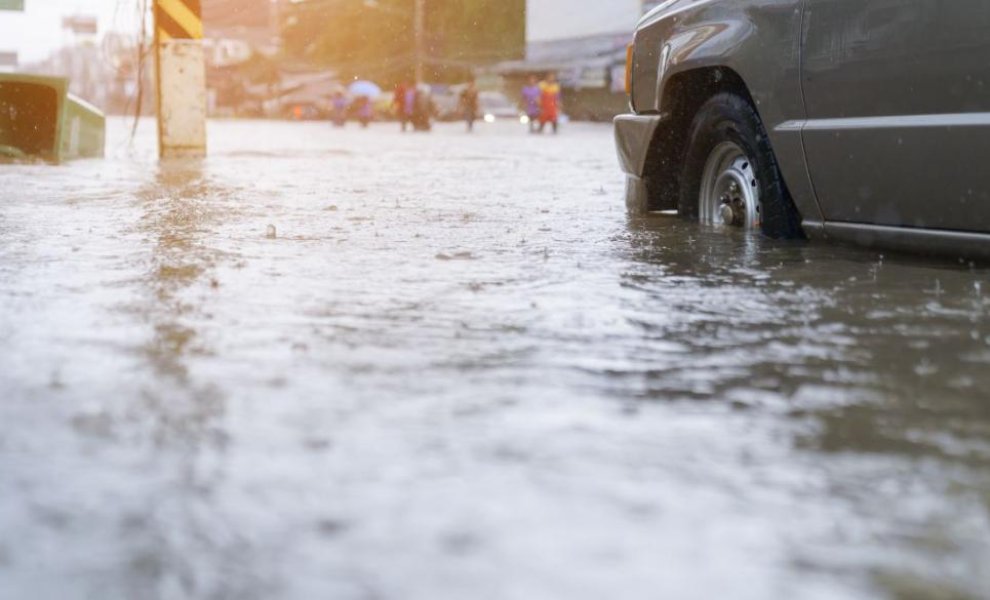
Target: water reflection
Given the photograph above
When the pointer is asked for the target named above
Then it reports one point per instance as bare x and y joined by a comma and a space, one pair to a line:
178, 214
430, 384
181, 412
881, 358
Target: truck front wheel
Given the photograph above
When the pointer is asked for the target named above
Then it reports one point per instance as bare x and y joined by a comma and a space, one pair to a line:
730, 178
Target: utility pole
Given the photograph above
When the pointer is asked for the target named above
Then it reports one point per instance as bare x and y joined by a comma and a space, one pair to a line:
419, 32
181, 78
419, 26
275, 22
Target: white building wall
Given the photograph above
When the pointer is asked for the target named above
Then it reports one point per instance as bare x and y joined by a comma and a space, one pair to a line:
561, 19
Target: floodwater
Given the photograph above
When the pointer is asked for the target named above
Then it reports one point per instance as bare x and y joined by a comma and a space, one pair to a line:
455, 369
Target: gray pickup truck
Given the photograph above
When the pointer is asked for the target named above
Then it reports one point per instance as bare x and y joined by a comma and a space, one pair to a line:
858, 120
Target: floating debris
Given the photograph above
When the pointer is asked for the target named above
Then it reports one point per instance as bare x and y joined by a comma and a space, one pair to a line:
457, 256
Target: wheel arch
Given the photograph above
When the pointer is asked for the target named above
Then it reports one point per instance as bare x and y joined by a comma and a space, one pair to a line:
684, 93
689, 50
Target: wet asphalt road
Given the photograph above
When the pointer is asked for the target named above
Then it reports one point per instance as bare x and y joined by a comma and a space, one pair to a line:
458, 371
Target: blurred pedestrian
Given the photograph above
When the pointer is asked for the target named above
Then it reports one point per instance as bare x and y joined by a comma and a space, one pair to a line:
365, 110
398, 98
401, 105
531, 102
408, 109
423, 109
470, 105
339, 108
550, 104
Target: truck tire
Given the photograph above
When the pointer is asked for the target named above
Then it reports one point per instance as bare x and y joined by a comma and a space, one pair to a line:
730, 177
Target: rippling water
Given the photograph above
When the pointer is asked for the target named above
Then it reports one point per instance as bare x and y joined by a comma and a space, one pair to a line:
455, 369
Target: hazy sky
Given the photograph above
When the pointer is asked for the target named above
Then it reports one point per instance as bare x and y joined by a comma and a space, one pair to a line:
557, 19
36, 32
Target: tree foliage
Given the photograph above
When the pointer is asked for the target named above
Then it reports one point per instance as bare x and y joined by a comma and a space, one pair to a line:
375, 40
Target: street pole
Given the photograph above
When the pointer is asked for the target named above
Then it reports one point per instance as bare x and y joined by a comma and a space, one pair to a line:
181, 78
275, 22
419, 25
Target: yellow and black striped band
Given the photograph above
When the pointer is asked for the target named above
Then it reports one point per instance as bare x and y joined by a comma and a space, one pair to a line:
179, 19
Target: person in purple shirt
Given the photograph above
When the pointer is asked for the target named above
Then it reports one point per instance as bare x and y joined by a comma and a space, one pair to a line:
531, 102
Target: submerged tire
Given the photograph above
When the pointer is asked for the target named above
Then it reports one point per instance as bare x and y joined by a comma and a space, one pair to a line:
730, 174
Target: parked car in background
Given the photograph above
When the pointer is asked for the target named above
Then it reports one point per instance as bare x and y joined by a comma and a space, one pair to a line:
304, 111
496, 106
448, 101
841, 119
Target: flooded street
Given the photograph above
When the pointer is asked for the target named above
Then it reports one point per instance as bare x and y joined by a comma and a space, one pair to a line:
360, 365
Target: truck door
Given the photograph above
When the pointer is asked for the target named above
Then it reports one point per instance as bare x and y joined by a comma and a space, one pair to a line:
898, 102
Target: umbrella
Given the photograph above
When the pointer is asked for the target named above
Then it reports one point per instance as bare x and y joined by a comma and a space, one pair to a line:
364, 88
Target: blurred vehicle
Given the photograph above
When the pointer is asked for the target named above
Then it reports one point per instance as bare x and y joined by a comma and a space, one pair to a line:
854, 121
306, 97
447, 100
304, 111
383, 104
496, 106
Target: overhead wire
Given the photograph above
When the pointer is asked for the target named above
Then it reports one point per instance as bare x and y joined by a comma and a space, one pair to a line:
142, 55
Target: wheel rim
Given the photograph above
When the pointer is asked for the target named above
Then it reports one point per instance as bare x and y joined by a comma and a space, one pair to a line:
730, 192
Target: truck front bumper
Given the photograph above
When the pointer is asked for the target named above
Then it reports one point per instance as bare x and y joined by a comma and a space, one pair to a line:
634, 136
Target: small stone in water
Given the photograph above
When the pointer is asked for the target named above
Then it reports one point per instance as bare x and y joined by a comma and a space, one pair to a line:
270, 233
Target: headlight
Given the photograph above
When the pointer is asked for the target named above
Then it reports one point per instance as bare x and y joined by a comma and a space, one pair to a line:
489, 118
524, 119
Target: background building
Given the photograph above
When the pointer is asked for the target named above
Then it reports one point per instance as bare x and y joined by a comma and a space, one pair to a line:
261, 51
584, 43
235, 29
569, 19
242, 45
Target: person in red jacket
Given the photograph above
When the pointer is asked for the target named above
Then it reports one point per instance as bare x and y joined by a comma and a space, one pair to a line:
550, 103
402, 105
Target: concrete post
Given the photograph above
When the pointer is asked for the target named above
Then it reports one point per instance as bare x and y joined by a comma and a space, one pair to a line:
181, 78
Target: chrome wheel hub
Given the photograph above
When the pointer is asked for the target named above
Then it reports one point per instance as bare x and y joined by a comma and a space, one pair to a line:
730, 192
